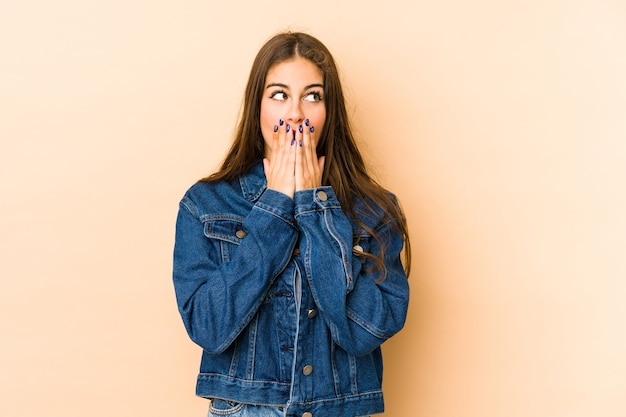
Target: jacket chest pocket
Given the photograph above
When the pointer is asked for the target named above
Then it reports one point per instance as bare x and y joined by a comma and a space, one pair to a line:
226, 232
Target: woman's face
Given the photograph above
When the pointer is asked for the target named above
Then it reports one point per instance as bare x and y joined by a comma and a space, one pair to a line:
293, 92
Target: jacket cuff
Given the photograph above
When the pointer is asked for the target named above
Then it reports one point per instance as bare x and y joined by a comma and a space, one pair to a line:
278, 204
315, 199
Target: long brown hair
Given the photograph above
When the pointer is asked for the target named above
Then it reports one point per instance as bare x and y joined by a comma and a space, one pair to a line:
344, 168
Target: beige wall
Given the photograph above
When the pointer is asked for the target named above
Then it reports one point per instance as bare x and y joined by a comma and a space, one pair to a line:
500, 125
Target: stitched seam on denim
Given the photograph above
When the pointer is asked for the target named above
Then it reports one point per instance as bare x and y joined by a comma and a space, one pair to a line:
334, 333
336, 378
190, 206
261, 382
275, 214
295, 349
221, 216
361, 396
232, 372
320, 208
306, 259
245, 189
224, 251
252, 347
271, 208
223, 237
366, 326
354, 387
328, 221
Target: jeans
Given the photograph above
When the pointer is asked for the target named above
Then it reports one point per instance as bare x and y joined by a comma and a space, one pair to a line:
219, 408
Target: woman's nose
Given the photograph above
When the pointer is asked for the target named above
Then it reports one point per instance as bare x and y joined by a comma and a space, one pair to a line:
295, 114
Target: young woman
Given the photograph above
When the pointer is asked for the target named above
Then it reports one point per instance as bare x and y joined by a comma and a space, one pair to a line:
287, 264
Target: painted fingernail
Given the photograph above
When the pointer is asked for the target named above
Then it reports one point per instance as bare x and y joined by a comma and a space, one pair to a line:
300, 143
300, 128
306, 122
281, 121
275, 128
312, 129
293, 141
288, 128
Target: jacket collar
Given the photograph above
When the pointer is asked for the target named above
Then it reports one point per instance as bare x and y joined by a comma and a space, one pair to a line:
253, 183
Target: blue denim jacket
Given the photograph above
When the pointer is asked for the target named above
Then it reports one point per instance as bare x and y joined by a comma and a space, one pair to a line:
276, 295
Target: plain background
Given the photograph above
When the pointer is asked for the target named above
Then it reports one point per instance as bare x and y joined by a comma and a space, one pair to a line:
501, 126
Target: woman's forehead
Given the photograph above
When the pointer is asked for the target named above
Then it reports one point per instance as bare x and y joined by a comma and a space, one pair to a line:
293, 72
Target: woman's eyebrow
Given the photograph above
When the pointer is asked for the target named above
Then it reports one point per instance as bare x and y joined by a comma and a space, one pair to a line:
285, 86
277, 85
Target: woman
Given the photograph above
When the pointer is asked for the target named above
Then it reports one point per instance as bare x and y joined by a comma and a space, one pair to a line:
287, 262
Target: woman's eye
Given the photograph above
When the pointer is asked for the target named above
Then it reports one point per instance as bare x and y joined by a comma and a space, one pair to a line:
279, 95
313, 97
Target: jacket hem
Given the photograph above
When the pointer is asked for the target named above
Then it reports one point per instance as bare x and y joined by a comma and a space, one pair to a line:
276, 394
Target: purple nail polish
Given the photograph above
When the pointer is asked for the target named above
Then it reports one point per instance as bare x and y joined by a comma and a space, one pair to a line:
300, 143
312, 129
281, 121
293, 141
306, 122
275, 128
300, 128
288, 128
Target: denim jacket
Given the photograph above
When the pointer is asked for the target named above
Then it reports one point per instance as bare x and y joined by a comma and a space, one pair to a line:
274, 291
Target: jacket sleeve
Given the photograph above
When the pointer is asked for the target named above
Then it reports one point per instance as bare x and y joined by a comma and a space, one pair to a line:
217, 298
360, 313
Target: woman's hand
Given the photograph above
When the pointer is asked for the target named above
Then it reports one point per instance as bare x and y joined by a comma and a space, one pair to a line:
309, 167
280, 164
293, 164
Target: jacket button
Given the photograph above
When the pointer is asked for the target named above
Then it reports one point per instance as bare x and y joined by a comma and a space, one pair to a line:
296, 252
322, 196
357, 249
311, 313
307, 370
307, 414
240, 234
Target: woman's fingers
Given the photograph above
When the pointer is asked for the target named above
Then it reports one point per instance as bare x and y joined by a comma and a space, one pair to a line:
308, 167
280, 165
292, 164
